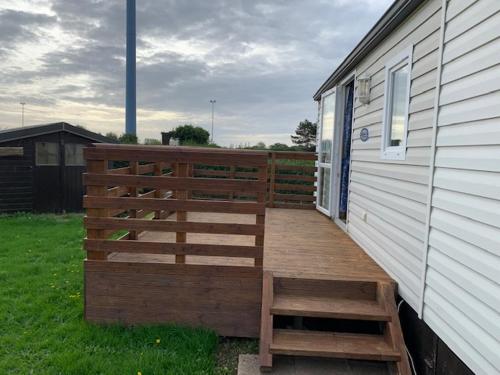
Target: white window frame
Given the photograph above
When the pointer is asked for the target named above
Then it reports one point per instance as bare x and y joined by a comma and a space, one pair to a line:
396, 152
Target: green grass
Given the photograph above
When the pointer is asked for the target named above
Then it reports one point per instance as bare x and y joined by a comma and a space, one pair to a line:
42, 330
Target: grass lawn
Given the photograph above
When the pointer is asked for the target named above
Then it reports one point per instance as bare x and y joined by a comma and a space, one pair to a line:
42, 330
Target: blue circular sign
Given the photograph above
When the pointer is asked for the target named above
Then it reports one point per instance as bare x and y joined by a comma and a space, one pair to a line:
363, 134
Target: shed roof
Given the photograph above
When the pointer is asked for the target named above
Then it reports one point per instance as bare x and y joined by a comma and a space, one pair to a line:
36, 130
390, 20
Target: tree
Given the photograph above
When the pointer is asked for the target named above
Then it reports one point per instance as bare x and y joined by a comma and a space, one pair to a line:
305, 135
128, 139
190, 135
152, 141
112, 136
279, 147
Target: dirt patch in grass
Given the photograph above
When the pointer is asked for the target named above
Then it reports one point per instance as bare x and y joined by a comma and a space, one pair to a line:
228, 352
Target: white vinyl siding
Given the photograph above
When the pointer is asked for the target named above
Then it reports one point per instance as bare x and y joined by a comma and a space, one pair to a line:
462, 285
387, 198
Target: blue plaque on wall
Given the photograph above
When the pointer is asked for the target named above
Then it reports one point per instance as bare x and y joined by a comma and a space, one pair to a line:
363, 134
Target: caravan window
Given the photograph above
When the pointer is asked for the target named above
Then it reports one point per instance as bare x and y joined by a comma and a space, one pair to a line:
397, 101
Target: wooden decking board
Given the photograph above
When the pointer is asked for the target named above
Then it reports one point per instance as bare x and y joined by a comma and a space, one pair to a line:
298, 243
327, 307
333, 345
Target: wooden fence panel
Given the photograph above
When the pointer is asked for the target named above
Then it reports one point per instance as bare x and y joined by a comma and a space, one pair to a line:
292, 180
154, 191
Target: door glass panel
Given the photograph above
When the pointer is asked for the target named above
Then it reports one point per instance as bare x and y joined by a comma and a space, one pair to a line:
324, 189
327, 121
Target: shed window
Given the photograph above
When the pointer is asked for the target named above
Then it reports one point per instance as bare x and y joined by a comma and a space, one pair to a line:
47, 153
73, 154
397, 101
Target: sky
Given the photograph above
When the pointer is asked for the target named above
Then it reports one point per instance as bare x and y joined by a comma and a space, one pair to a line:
260, 60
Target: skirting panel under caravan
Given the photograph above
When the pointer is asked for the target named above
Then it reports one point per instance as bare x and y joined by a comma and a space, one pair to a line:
430, 354
226, 299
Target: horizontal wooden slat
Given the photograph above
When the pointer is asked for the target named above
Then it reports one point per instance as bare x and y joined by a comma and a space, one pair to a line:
128, 203
172, 226
118, 191
175, 155
142, 169
145, 247
294, 187
122, 170
175, 183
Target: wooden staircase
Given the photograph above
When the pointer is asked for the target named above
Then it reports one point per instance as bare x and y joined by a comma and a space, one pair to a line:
347, 300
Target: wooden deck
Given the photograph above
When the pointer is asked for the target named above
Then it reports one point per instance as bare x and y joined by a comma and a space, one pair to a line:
298, 243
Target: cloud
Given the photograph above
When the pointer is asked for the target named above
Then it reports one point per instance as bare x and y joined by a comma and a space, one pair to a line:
261, 60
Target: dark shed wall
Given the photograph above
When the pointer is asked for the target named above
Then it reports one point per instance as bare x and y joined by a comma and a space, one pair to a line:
47, 186
72, 177
59, 188
24, 186
16, 178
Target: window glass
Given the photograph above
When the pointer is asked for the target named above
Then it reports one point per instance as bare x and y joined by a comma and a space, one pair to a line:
47, 153
398, 104
327, 122
73, 154
324, 190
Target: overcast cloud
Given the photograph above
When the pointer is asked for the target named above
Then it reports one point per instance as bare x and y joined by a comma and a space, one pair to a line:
261, 60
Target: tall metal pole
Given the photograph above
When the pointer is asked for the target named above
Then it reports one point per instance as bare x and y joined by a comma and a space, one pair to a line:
212, 102
22, 113
131, 111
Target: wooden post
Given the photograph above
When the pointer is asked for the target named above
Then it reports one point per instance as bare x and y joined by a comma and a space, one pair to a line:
180, 237
101, 167
266, 323
272, 179
261, 218
134, 168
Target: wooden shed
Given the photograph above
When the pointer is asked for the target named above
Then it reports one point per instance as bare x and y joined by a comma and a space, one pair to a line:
41, 167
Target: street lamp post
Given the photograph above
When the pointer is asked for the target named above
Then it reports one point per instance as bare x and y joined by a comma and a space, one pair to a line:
22, 113
212, 102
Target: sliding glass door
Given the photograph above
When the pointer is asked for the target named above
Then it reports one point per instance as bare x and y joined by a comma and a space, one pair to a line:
327, 126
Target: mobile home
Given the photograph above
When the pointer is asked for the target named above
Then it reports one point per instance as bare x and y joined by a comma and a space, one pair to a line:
408, 166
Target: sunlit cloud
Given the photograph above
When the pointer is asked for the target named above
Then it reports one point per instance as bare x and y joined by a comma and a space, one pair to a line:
261, 61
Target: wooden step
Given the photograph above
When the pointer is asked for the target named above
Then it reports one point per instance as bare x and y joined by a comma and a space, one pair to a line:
328, 307
332, 345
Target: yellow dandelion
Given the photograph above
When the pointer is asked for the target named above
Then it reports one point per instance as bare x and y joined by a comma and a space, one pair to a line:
139, 373
157, 341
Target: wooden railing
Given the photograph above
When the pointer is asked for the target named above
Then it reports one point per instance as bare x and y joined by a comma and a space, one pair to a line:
161, 181
292, 177
176, 234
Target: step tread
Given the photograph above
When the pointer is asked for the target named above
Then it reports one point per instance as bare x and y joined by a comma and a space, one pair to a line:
328, 307
332, 345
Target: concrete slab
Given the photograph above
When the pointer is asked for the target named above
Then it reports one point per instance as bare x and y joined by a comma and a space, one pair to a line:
249, 365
